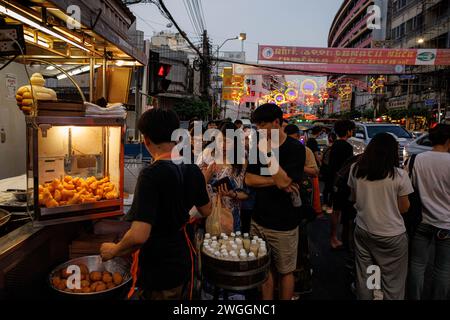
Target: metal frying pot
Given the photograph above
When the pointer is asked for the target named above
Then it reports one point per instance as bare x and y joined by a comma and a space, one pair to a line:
95, 263
5, 216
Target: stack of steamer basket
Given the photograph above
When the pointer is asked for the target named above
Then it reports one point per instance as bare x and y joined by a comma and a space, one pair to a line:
235, 275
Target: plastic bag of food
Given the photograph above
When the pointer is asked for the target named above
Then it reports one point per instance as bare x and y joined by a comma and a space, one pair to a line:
220, 220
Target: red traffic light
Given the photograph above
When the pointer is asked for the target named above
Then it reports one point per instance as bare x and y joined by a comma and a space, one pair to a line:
163, 70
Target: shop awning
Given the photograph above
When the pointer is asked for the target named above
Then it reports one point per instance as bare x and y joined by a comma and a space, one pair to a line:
50, 31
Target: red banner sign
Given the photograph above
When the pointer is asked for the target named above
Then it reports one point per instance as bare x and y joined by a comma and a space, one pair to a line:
316, 69
355, 55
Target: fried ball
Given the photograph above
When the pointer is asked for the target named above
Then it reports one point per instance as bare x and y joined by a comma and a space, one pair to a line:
65, 274
93, 286
83, 268
75, 200
55, 281
55, 183
68, 186
90, 180
100, 287
58, 195
107, 277
61, 285
86, 290
95, 276
67, 194
51, 203
110, 285
85, 283
117, 278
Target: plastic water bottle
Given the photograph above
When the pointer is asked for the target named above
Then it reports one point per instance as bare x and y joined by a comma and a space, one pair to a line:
233, 236
251, 256
207, 236
246, 242
230, 245
239, 244
243, 256
254, 247
262, 252
234, 256
296, 200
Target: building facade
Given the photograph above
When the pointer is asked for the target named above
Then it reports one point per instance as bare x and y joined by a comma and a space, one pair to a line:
357, 24
420, 24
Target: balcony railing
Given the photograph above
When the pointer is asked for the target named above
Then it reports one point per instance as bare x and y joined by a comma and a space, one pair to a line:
344, 23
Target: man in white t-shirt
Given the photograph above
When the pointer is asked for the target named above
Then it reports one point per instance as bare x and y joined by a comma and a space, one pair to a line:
431, 177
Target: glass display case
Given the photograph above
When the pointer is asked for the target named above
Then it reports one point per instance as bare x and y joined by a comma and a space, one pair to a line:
75, 167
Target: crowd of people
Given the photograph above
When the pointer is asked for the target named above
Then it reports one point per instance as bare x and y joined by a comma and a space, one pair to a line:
368, 194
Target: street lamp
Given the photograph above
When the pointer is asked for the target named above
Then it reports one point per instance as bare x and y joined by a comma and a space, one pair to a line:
242, 37
226, 40
420, 40
217, 72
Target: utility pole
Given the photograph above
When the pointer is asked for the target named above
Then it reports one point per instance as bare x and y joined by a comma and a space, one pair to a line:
205, 79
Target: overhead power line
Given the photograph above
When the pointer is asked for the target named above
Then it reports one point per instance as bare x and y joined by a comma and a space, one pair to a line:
183, 34
203, 14
192, 15
189, 16
198, 14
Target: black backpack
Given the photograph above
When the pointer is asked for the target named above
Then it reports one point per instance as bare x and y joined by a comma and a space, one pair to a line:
414, 215
325, 170
341, 180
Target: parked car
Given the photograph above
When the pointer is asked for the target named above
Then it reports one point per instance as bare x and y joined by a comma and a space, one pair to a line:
420, 145
246, 122
364, 132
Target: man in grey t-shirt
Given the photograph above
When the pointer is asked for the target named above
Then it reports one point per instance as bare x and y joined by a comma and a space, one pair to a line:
431, 177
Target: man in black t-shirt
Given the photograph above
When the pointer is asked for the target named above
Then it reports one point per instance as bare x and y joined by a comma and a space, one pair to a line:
165, 192
340, 152
275, 217
314, 145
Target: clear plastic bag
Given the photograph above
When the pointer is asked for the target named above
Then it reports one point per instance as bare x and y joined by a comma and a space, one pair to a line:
220, 220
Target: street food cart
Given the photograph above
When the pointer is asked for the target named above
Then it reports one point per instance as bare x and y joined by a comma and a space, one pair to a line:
67, 152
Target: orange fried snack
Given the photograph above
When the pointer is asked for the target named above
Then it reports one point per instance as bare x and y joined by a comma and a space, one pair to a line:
76, 190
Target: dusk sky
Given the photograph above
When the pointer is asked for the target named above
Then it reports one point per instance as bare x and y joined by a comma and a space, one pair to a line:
276, 22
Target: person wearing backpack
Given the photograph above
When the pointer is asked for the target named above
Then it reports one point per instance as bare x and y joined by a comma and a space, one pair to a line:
431, 177
340, 152
380, 191
325, 174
